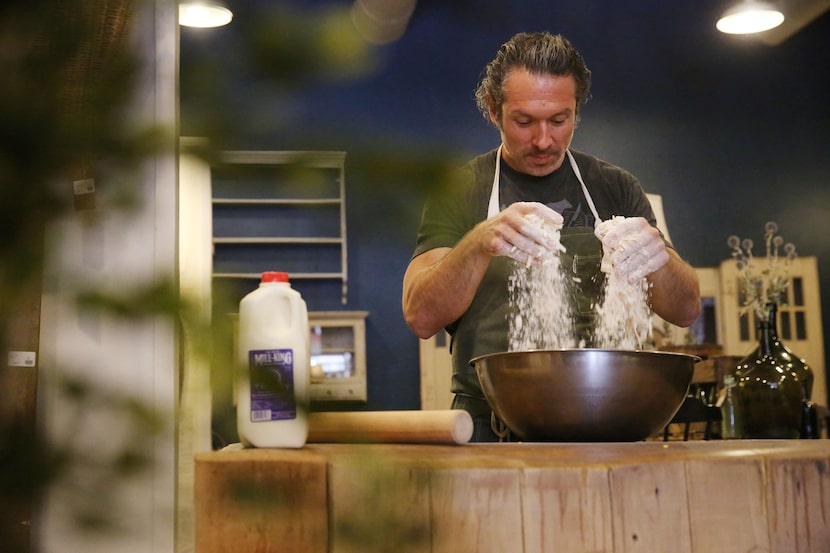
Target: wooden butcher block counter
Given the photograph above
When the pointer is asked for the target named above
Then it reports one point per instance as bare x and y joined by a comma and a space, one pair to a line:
674, 497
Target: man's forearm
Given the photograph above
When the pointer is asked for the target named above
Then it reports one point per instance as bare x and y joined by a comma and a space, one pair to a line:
439, 286
675, 291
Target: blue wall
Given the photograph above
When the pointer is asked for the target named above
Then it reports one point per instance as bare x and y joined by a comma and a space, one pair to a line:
732, 133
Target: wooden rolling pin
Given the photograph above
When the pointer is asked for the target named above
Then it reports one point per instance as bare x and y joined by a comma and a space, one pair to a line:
402, 427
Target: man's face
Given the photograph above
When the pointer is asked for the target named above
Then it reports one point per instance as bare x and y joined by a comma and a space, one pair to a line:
537, 121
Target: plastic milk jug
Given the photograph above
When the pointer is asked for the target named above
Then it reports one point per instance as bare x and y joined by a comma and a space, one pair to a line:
272, 365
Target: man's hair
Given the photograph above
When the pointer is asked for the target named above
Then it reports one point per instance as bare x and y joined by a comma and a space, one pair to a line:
539, 53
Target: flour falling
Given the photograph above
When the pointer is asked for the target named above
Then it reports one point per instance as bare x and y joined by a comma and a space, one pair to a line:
539, 310
540, 313
624, 316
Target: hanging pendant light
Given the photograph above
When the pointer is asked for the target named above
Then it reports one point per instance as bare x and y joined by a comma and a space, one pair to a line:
204, 13
750, 16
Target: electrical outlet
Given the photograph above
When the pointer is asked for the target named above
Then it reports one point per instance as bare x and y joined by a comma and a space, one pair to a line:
83, 186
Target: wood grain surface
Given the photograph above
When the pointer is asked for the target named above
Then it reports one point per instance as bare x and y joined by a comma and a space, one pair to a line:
678, 497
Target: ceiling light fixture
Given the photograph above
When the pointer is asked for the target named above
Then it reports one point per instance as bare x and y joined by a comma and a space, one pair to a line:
204, 13
750, 16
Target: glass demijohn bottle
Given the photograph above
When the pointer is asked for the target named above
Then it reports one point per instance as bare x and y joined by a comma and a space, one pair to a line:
771, 393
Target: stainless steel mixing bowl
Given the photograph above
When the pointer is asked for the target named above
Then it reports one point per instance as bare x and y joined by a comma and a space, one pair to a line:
585, 395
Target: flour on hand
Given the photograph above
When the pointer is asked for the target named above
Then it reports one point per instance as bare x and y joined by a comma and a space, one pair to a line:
624, 316
539, 311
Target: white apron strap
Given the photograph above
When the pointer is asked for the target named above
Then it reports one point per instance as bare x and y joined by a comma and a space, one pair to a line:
493, 206
590, 200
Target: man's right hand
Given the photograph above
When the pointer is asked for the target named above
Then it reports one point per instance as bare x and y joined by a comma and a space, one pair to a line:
524, 231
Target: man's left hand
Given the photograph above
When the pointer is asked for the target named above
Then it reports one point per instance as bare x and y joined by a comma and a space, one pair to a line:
637, 249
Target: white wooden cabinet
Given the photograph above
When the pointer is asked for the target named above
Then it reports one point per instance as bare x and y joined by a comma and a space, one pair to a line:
338, 355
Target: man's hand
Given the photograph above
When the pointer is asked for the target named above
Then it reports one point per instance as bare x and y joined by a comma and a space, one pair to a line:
637, 250
525, 231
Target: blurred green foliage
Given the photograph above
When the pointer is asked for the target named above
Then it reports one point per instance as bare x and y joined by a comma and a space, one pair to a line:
67, 78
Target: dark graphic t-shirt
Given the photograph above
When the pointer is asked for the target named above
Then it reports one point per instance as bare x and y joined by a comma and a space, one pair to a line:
559, 190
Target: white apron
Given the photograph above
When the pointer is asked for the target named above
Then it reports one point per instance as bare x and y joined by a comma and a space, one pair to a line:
493, 207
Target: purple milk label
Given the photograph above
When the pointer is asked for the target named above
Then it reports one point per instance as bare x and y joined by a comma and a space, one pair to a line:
272, 384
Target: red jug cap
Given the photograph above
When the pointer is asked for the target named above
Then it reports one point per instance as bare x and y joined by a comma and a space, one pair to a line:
274, 276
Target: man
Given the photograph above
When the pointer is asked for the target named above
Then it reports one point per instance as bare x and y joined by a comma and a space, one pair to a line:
457, 279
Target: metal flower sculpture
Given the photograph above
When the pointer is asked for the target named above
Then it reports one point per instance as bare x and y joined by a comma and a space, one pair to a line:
763, 281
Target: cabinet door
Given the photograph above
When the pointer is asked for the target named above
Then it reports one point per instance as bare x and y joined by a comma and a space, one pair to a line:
436, 372
799, 320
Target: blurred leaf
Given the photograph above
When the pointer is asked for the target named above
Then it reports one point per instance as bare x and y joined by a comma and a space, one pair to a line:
130, 463
138, 302
293, 45
27, 464
250, 493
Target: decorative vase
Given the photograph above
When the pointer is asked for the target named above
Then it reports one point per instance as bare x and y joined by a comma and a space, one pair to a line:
799, 367
774, 385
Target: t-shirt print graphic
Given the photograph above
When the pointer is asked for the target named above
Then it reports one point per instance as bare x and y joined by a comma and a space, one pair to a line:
573, 216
